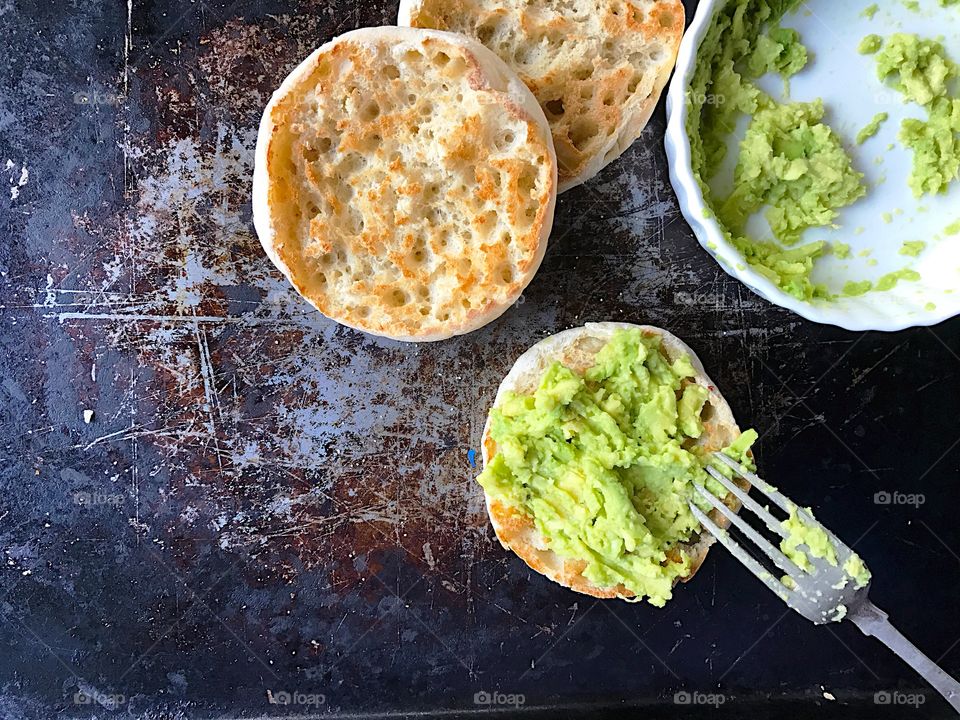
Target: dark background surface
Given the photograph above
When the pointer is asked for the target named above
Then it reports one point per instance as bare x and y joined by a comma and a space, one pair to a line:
265, 501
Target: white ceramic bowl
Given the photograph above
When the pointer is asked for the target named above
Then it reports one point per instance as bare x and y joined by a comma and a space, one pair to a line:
852, 94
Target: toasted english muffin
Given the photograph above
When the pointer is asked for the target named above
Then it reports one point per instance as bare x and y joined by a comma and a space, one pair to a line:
597, 67
405, 182
576, 348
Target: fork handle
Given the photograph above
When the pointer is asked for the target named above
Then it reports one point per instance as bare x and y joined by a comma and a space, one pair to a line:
873, 621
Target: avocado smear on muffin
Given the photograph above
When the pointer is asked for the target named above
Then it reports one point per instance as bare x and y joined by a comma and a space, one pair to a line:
604, 463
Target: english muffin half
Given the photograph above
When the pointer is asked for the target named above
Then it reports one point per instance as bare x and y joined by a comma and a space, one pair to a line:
405, 182
597, 67
516, 527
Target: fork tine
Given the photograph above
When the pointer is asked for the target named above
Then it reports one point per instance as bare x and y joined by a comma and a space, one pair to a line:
778, 498
748, 502
761, 485
738, 552
842, 550
768, 548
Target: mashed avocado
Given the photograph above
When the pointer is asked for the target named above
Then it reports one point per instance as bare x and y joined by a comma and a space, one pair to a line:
804, 541
855, 568
872, 127
604, 463
852, 288
779, 51
870, 44
922, 71
912, 247
790, 161
890, 280
921, 67
817, 542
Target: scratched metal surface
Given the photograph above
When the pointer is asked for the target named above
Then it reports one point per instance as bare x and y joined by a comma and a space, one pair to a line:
265, 501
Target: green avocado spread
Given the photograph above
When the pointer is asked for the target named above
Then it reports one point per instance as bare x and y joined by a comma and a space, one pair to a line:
813, 537
604, 463
872, 127
869, 44
791, 167
805, 541
922, 72
790, 162
912, 247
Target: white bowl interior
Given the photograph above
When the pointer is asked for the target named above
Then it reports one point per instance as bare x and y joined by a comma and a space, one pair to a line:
852, 94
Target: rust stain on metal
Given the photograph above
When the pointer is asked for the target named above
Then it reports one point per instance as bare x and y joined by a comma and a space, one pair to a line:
305, 442
279, 433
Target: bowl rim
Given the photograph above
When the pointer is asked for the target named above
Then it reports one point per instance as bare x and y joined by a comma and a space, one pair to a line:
707, 230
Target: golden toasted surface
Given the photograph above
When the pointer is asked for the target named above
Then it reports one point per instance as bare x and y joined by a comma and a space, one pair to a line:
576, 348
409, 189
597, 67
517, 532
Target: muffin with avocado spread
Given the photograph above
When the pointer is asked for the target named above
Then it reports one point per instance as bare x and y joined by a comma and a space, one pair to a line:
591, 452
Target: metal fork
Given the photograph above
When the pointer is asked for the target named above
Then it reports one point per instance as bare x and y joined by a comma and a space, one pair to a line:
826, 593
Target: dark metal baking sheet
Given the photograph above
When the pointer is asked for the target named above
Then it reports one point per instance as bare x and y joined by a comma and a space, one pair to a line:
265, 502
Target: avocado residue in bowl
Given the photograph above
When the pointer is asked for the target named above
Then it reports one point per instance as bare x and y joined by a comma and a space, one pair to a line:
790, 165
870, 44
872, 127
604, 463
790, 161
922, 72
